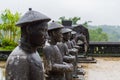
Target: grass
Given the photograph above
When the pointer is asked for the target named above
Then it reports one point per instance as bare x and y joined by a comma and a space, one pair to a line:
7, 48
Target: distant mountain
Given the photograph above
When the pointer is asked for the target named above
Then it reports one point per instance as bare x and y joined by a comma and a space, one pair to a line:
112, 31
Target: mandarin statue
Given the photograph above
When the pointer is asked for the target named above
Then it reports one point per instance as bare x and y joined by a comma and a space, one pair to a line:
71, 50
24, 63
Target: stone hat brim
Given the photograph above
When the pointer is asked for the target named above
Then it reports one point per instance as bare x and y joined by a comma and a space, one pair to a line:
66, 30
32, 16
54, 25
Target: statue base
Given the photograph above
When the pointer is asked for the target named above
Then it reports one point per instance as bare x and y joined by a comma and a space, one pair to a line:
80, 77
80, 71
85, 59
80, 74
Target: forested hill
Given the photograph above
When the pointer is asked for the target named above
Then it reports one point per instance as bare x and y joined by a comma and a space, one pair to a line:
113, 32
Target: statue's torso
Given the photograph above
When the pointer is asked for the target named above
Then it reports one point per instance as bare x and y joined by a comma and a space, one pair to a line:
62, 48
24, 66
69, 44
54, 57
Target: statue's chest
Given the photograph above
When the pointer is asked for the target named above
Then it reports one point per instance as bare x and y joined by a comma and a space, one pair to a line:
35, 62
56, 55
69, 44
62, 49
36, 67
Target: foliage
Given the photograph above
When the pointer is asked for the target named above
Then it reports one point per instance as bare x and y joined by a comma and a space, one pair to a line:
86, 23
113, 31
8, 31
74, 19
106, 33
62, 18
98, 35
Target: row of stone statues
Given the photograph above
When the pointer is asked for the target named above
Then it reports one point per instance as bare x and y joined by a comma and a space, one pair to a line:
59, 57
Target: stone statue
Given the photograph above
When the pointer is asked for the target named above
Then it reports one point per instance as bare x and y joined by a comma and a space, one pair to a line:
74, 45
66, 58
55, 68
74, 40
24, 63
82, 35
73, 51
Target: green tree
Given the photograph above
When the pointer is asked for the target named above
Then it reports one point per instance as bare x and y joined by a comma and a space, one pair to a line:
62, 18
8, 30
98, 35
74, 20
86, 23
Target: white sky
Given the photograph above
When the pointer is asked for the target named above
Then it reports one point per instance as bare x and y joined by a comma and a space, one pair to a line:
100, 12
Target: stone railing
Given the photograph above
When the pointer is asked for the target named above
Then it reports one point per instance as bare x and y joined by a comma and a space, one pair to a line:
102, 49
95, 49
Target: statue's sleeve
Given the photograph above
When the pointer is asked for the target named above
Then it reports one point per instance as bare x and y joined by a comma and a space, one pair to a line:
67, 57
66, 49
73, 51
65, 67
47, 59
17, 68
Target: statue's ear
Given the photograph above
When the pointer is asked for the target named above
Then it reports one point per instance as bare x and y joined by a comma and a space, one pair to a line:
53, 33
28, 29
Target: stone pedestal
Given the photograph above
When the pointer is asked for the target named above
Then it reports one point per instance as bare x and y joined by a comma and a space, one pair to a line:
85, 59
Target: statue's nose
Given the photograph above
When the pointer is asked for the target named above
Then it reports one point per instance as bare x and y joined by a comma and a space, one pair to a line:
46, 35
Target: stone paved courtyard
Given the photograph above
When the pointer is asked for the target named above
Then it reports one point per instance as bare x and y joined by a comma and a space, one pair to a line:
104, 69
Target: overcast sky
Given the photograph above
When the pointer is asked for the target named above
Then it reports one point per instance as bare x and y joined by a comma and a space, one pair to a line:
100, 12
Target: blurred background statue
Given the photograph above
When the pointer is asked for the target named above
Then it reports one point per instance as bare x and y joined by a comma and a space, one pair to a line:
55, 68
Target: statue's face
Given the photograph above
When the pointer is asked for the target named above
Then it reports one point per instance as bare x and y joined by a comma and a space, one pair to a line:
57, 35
67, 36
38, 34
73, 36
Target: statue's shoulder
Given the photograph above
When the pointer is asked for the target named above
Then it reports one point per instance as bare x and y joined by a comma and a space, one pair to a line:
18, 51
17, 58
60, 44
18, 54
48, 47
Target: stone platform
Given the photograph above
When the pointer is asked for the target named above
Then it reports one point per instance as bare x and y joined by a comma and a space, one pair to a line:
85, 59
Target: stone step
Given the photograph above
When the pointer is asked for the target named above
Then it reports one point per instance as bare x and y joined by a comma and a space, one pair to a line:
80, 71
80, 77
86, 60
